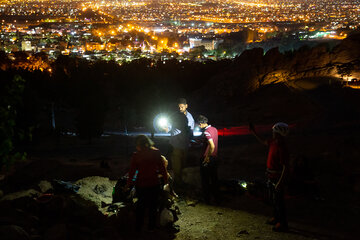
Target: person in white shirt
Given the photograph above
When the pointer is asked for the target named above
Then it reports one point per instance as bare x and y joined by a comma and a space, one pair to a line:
183, 109
181, 133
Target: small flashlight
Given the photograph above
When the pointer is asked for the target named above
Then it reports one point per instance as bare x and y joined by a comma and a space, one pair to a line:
197, 131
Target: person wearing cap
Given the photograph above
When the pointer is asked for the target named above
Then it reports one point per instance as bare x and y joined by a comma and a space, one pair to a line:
149, 164
209, 161
277, 167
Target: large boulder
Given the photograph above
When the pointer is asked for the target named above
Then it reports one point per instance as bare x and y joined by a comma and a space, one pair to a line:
96, 189
21, 194
12, 232
12, 216
45, 186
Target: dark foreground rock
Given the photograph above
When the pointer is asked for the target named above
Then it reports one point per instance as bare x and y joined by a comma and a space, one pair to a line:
12, 232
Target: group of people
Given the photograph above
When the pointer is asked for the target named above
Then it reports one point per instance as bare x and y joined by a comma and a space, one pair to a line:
181, 133
148, 166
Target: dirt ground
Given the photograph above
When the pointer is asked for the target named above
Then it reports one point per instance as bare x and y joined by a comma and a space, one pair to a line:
239, 216
212, 222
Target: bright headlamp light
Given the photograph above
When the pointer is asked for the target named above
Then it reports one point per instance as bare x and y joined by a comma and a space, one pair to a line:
163, 122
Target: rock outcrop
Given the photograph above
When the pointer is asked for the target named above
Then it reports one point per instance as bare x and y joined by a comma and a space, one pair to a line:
305, 69
253, 69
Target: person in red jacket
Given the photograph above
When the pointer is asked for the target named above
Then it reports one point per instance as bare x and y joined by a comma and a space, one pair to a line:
148, 163
276, 171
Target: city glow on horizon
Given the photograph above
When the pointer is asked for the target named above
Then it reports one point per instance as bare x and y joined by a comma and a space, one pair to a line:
112, 28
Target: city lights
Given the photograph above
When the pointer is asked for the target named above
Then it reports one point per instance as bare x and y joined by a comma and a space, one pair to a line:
120, 29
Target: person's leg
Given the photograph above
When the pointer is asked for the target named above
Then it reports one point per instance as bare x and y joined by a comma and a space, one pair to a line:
271, 191
176, 161
153, 204
278, 202
140, 208
213, 177
184, 158
205, 181
279, 206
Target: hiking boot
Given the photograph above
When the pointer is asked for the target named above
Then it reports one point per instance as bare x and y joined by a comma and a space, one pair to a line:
280, 228
173, 228
271, 221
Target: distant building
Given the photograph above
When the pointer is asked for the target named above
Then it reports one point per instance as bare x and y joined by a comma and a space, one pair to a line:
26, 46
209, 44
195, 42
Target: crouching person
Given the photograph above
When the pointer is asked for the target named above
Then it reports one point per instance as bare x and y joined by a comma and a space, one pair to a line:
148, 164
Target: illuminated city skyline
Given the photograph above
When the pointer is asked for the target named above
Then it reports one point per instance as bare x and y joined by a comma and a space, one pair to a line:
152, 27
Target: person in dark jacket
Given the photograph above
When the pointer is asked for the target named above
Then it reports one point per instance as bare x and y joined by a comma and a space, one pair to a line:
147, 165
181, 130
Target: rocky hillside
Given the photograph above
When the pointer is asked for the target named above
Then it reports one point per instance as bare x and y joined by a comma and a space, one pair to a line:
250, 83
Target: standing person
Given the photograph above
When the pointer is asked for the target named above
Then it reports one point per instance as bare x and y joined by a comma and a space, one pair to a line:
181, 131
182, 103
209, 161
149, 164
277, 167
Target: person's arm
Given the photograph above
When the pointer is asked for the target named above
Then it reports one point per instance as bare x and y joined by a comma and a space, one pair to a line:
132, 171
191, 123
210, 152
259, 138
280, 182
162, 168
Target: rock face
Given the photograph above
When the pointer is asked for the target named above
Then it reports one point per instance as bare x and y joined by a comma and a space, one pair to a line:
348, 50
305, 69
253, 69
